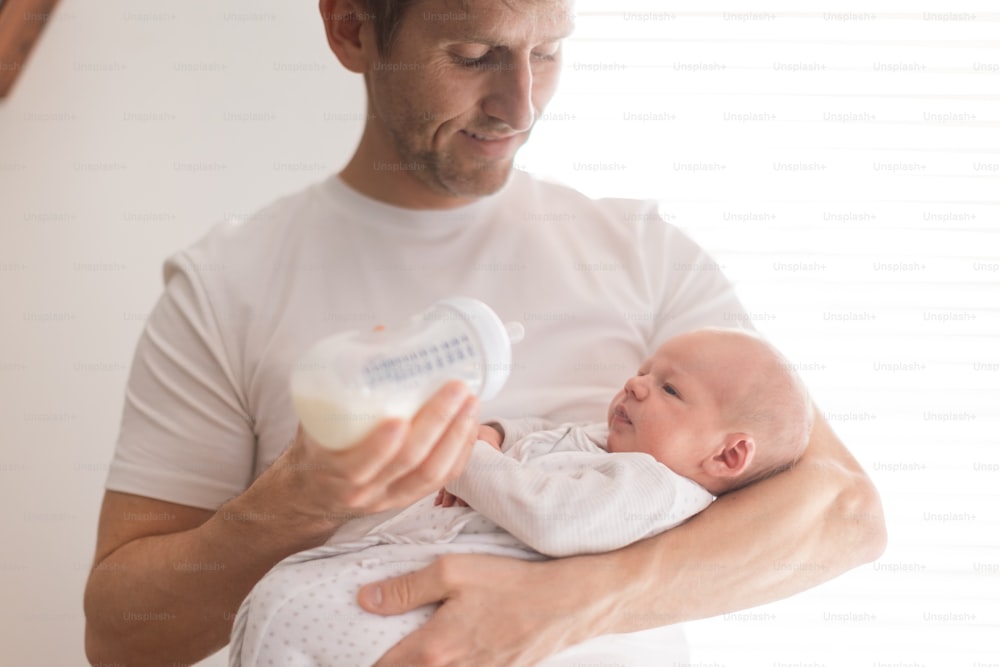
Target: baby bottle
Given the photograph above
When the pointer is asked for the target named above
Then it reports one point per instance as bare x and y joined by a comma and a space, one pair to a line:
346, 383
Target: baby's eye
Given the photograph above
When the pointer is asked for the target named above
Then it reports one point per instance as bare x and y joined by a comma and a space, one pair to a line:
670, 390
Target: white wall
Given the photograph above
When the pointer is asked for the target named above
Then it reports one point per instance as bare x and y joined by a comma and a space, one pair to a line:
137, 125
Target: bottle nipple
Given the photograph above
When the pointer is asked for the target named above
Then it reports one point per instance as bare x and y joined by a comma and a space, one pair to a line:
515, 331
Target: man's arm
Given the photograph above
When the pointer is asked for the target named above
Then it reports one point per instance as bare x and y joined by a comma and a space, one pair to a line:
762, 543
168, 579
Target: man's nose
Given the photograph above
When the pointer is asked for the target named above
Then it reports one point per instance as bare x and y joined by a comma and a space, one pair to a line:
509, 97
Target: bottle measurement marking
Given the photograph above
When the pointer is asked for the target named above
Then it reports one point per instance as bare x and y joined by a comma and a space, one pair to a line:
399, 368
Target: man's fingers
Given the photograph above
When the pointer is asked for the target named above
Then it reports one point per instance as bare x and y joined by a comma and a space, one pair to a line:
446, 460
430, 423
403, 593
399, 461
368, 458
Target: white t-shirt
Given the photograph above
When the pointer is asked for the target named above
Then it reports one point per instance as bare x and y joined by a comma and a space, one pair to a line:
597, 284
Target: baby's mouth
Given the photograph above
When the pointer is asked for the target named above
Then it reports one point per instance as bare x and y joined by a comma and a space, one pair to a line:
622, 413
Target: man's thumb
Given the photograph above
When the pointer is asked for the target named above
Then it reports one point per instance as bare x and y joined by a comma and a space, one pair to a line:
396, 595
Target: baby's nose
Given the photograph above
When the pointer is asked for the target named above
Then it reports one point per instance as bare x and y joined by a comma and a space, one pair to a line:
635, 386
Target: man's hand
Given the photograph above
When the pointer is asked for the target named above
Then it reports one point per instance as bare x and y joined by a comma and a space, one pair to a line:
487, 434
495, 611
296, 503
395, 465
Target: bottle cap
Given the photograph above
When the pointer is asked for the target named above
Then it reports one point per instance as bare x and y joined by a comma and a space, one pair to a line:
493, 337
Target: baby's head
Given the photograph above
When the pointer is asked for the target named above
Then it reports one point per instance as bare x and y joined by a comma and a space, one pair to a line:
719, 406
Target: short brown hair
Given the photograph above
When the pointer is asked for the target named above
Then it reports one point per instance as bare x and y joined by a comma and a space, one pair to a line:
385, 15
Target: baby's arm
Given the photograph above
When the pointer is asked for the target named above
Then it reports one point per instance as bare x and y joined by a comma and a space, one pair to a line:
500, 434
578, 502
492, 436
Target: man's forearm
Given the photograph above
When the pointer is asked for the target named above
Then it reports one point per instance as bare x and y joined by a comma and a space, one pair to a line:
164, 592
171, 599
731, 558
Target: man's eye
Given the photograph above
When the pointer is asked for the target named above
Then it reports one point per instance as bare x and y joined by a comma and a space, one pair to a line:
549, 52
477, 61
470, 62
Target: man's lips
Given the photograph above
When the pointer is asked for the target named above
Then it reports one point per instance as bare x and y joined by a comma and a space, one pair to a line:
492, 146
488, 137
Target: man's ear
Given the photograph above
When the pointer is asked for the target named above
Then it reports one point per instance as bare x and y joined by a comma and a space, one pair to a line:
733, 458
347, 25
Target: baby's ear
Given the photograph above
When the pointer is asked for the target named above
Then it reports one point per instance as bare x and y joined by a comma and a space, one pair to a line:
733, 458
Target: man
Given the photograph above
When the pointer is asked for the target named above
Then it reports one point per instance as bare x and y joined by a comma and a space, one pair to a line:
203, 498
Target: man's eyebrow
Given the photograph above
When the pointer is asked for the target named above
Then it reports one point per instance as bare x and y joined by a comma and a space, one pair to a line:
491, 40
559, 36
492, 43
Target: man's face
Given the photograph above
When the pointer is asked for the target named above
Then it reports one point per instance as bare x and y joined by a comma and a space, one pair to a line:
671, 408
460, 89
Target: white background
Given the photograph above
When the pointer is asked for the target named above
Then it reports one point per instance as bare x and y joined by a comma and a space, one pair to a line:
842, 164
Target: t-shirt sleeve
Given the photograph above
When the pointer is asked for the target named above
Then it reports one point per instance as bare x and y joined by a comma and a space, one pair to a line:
186, 435
689, 287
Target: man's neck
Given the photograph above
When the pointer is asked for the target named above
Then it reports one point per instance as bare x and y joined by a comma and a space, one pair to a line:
390, 182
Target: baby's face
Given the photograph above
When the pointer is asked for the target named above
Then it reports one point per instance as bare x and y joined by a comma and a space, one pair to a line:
671, 408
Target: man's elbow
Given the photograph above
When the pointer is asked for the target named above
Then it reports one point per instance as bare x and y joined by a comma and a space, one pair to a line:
94, 649
103, 642
97, 646
98, 650
859, 512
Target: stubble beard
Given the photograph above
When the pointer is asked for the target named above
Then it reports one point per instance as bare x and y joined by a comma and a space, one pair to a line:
439, 170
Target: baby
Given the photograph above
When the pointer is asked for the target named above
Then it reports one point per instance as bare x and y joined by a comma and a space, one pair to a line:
711, 411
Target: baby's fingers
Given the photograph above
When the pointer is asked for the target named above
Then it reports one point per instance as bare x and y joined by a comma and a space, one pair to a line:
446, 499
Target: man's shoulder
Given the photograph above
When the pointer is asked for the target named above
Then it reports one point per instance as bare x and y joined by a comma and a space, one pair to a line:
253, 243
275, 219
547, 187
552, 201
243, 267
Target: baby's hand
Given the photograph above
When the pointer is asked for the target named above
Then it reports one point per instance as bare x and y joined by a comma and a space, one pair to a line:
446, 499
491, 436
